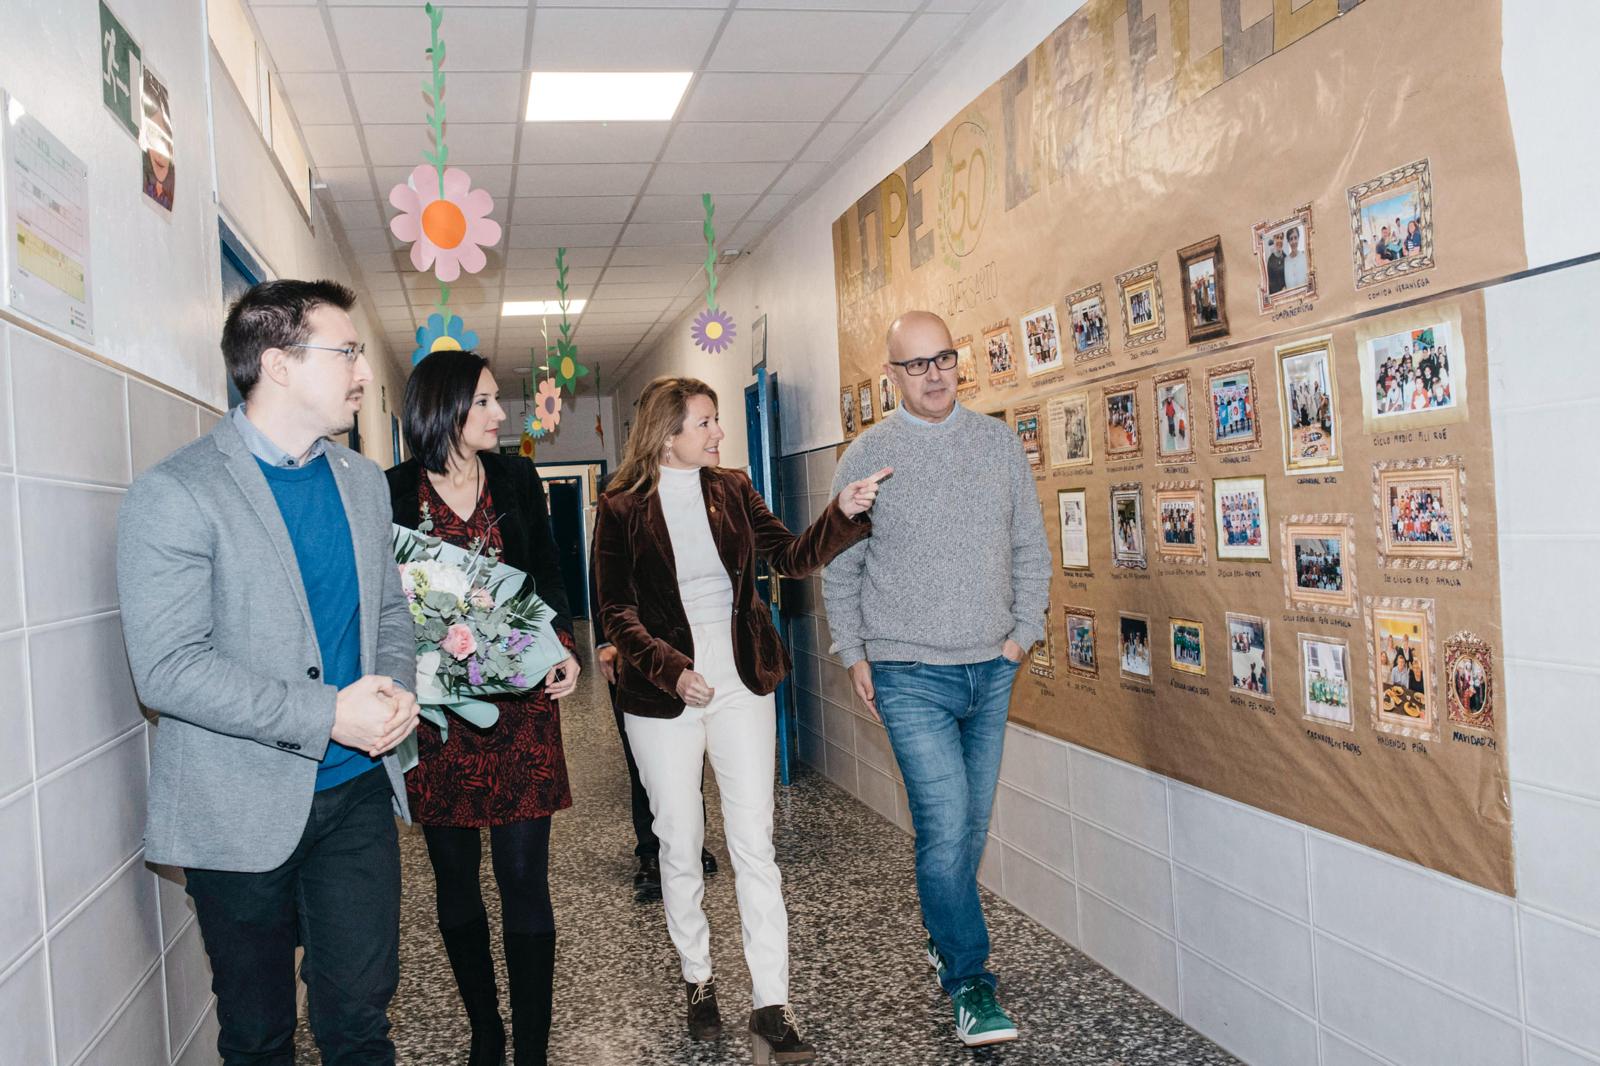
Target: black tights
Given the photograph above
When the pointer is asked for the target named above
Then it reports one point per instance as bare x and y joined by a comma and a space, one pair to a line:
520, 853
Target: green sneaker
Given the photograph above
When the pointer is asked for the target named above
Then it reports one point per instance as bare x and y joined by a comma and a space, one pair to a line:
935, 959
979, 1019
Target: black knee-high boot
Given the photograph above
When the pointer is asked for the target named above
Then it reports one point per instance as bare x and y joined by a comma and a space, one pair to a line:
531, 965
473, 964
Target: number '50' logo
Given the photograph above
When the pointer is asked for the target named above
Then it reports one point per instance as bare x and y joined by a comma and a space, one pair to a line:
965, 189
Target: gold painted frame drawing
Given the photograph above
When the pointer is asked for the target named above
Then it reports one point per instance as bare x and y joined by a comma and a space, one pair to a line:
1284, 269
1319, 563
1041, 342
1391, 224
1249, 656
864, 404
1235, 406
1072, 508
1133, 646
1000, 355
1421, 508
1127, 526
1082, 658
1067, 420
1174, 417
1025, 420
1178, 519
1308, 407
1325, 686
1469, 687
1121, 403
1186, 645
966, 368
1203, 279
1144, 317
1091, 332
1239, 508
1413, 370
1400, 642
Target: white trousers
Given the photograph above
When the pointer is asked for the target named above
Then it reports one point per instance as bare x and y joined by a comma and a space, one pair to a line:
738, 730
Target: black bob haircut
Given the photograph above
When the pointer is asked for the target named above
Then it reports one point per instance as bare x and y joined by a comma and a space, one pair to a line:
438, 397
273, 315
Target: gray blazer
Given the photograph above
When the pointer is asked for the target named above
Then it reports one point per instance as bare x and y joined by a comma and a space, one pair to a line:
222, 646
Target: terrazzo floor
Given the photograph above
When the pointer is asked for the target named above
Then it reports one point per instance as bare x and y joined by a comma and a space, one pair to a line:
864, 994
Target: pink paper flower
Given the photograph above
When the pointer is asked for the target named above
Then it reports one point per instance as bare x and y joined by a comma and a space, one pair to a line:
458, 642
449, 232
547, 404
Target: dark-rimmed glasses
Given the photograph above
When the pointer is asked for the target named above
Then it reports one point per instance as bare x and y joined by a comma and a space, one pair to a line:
945, 360
351, 352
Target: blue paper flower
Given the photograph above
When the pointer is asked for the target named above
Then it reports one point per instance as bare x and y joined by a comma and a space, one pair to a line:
440, 336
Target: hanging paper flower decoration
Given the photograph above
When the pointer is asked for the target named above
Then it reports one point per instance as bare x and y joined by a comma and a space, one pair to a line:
565, 370
533, 429
438, 336
526, 447
712, 330
547, 404
448, 231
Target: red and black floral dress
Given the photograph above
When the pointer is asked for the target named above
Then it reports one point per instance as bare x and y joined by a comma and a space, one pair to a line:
515, 769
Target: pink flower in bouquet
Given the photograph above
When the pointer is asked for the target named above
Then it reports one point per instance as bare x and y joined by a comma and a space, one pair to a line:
459, 642
482, 599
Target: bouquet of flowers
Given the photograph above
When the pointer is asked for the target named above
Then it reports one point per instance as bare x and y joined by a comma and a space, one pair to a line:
478, 633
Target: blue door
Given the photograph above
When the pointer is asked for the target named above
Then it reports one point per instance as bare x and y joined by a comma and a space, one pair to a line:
761, 428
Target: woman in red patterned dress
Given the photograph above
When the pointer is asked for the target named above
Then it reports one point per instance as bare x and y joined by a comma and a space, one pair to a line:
512, 776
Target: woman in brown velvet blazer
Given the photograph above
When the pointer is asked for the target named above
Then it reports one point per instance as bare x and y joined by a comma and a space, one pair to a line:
676, 543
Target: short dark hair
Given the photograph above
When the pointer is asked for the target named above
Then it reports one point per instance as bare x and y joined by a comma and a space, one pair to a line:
273, 315
438, 398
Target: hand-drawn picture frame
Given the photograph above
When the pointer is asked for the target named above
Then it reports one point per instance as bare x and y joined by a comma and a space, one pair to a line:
966, 368
1234, 404
1284, 268
1133, 646
1325, 685
1072, 509
1082, 658
1144, 317
758, 344
1186, 645
847, 411
1239, 508
1179, 520
1469, 682
1400, 645
999, 355
1090, 331
1041, 342
1249, 656
1121, 404
1421, 510
1174, 417
1308, 407
1025, 420
1042, 656
888, 395
864, 403
1319, 563
1127, 526
1391, 224
1203, 279
1068, 423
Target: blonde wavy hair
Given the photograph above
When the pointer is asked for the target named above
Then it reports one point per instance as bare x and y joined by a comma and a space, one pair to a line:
663, 406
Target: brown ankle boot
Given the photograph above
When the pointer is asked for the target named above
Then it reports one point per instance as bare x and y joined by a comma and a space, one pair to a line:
705, 1021
775, 1036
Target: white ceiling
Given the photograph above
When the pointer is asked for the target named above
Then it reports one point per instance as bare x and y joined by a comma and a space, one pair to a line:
782, 88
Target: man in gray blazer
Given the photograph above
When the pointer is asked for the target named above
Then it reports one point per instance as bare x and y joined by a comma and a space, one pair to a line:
266, 625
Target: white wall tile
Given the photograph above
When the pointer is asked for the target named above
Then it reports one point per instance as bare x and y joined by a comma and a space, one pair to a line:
15, 768
991, 868
1036, 828
201, 1050
69, 537
1244, 848
1405, 1019
6, 458
1523, 441
188, 977
842, 768
1542, 1052
1526, 316
1038, 764
159, 423
872, 746
11, 614
876, 790
836, 686
1558, 853
812, 750
1536, 586
1556, 727
87, 982
1133, 951
1120, 797
1260, 945
1039, 892
139, 1033
820, 465
25, 1011
19, 880
1337, 1051
1562, 969
47, 382
1242, 1019
1134, 879
91, 819
82, 689
1414, 918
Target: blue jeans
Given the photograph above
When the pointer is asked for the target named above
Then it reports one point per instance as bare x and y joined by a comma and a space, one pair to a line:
947, 725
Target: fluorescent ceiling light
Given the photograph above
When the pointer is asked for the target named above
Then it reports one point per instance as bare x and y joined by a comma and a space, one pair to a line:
601, 97
514, 308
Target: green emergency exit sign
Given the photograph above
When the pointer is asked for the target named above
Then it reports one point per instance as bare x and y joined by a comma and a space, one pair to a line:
121, 71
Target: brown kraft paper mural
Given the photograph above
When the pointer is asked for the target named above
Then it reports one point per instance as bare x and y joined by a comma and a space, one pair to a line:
1142, 128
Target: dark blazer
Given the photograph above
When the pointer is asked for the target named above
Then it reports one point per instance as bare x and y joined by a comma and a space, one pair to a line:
518, 496
640, 608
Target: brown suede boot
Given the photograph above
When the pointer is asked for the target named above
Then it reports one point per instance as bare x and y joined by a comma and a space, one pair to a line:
705, 1021
775, 1036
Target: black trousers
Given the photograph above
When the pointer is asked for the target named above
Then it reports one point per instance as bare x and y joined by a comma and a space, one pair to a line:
338, 895
643, 820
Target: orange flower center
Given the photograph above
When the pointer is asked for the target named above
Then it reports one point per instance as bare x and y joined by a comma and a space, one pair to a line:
444, 224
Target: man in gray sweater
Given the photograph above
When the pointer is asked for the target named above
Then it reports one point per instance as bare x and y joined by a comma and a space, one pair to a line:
932, 615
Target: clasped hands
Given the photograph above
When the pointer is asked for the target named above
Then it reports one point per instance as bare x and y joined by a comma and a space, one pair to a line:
374, 714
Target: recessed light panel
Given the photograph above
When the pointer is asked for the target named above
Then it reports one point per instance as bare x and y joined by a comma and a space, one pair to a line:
562, 96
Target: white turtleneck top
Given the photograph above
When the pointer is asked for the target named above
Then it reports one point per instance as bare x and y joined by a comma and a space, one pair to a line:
703, 581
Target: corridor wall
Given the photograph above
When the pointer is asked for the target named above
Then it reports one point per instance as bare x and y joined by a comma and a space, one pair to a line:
100, 957
1281, 942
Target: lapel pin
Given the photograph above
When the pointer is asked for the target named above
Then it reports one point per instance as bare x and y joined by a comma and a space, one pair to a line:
344, 463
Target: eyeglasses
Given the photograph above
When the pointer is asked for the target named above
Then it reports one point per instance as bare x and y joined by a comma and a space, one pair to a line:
945, 360
351, 352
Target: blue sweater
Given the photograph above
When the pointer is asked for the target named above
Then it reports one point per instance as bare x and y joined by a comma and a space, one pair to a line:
308, 498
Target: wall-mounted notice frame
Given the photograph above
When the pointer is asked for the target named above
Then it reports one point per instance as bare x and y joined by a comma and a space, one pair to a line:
46, 207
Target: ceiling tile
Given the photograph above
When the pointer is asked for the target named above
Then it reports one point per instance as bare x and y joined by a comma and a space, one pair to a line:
529, 276
765, 97
470, 143
954, 5
316, 99
388, 298
333, 146
925, 36
663, 232
828, 144
470, 96
873, 93
616, 39
568, 209
347, 183
581, 179
846, 41
295, 38
733, 142
558, 236
657, 256
621, 318
769, 208
631, 305
497, 179
608, 290
686, 207
798, 177
715, 178
523, 258
835, 5
747, 234
677, 272
592, 142
370, 240
396, 38
718, 4
360, 214
381, 280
